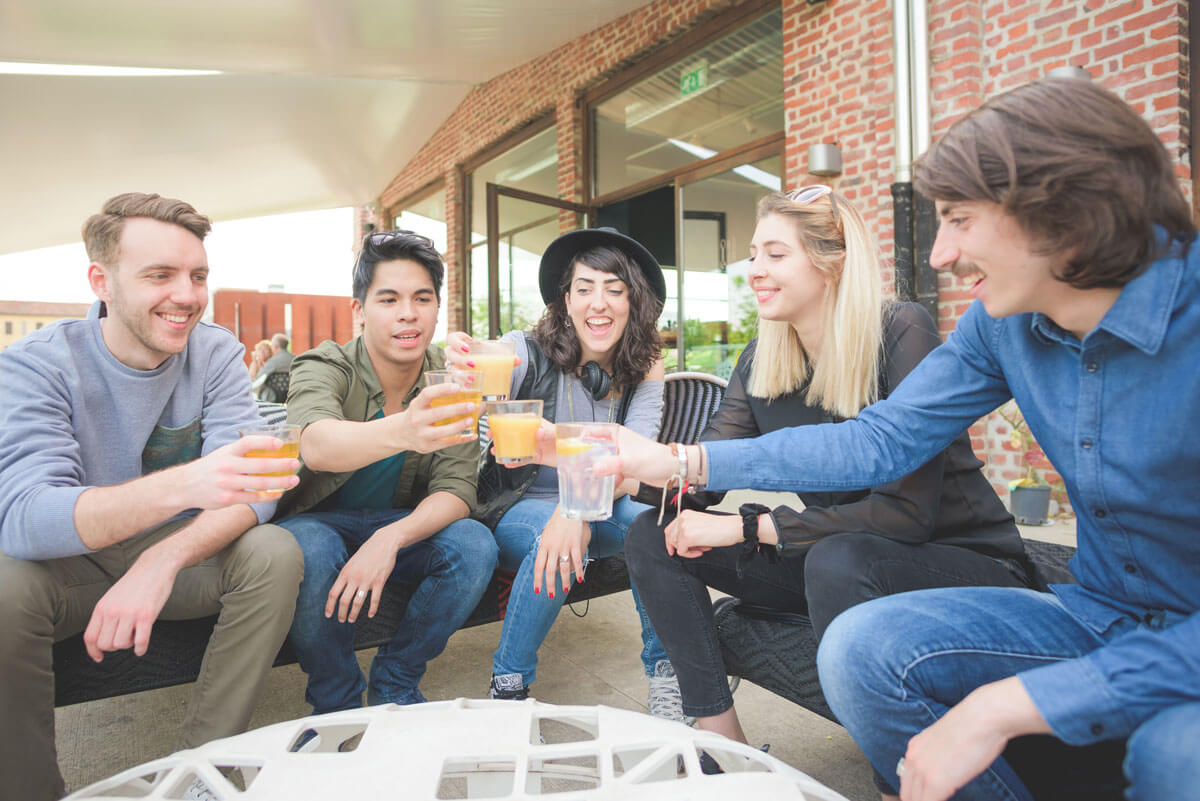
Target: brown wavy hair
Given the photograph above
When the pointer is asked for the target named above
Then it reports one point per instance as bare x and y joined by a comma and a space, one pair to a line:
639, 345
1076, 167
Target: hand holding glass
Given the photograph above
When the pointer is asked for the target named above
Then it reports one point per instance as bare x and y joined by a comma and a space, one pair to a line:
495, 359
288, 435
471, 381
582, 493
513, 426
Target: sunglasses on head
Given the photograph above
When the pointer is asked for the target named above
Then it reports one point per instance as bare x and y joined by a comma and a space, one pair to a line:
807, 194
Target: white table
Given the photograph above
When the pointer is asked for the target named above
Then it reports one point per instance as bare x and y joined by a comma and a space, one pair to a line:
465, 749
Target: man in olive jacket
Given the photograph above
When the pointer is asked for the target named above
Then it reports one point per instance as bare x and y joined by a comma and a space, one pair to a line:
384, 493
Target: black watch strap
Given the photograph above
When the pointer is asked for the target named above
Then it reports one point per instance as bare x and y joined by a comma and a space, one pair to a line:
749, 546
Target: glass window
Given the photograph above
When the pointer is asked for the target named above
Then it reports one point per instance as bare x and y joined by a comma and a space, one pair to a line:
8, 326
726, 94
427, 217
719, 311
524, 230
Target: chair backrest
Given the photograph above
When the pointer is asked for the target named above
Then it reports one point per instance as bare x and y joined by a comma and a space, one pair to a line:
689, 400
272, 413
275, 388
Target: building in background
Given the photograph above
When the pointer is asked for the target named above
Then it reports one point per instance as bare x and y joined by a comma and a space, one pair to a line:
306, 320
21, 317
671, 121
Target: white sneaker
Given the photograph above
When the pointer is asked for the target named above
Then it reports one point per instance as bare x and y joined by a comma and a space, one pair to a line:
663, 698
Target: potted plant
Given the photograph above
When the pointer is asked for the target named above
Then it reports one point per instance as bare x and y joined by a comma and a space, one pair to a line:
1029, 496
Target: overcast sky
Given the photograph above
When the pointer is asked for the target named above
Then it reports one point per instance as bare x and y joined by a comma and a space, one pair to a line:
308, 252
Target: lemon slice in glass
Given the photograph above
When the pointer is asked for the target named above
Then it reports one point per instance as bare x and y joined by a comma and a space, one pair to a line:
571, 446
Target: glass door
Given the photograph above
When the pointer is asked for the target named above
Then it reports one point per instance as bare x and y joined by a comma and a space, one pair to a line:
716, 222
520, 225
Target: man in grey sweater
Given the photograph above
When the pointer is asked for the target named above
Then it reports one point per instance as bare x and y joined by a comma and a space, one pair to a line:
124, 490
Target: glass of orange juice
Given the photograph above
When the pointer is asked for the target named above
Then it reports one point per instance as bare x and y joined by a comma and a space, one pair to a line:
495, 358
470, 380
513, 426
289, 435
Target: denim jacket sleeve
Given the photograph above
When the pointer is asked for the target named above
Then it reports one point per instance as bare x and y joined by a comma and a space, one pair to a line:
954, 386
1108, 693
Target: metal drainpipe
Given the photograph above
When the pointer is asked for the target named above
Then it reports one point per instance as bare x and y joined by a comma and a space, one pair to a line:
924, 213
902, 194
915, 219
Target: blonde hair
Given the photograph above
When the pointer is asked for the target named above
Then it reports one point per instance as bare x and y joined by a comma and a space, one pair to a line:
843, 377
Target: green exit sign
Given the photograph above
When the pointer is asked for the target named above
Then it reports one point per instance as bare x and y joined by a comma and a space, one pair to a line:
693, 80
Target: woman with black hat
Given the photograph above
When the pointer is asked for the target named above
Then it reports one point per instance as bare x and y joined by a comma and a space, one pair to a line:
595, 355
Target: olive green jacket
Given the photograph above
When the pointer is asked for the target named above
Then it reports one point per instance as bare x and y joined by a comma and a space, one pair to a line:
338, 382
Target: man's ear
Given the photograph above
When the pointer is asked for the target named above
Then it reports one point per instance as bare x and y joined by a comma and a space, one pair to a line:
99, 277
356, 308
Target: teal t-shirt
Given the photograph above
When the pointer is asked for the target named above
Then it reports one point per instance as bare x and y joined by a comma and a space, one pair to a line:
373, 486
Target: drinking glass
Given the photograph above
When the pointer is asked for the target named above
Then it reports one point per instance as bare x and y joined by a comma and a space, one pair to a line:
470, 380
513, 426
495, 359
583, 495
289, 435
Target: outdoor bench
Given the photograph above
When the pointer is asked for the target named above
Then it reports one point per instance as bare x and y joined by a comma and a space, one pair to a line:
177, 646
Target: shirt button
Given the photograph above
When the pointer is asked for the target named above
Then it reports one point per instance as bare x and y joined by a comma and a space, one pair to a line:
1097, 729
1092, 367
1130, 569
1100, 513
1086, 444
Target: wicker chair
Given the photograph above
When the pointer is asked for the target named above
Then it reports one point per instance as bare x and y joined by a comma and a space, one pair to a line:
275, 387
690, 399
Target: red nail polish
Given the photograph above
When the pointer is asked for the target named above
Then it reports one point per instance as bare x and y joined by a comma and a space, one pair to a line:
470, 364
551, 594
465, 349
536, 590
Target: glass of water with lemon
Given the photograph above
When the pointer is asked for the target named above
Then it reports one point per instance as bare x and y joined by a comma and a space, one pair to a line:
583, 495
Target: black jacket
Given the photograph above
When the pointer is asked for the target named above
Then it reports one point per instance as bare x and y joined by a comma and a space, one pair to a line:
947, 499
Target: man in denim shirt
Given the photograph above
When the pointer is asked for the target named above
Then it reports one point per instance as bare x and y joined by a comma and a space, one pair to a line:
1062, 205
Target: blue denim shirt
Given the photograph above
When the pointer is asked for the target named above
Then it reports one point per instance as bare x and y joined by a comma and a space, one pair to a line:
1118, 415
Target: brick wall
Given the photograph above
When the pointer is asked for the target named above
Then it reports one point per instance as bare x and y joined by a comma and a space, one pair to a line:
838, 85
978, 48
254, 316
547, 85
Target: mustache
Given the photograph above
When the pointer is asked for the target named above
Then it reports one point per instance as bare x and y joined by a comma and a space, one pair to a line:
965, 269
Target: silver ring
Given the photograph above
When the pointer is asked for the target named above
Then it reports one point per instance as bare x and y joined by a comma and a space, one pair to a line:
564, 559
360, 594
900, 768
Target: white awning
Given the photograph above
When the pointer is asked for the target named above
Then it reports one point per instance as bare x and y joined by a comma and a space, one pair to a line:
315, 104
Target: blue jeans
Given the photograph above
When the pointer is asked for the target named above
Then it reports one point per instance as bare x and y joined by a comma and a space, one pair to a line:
892, 667
452, 569
529, 616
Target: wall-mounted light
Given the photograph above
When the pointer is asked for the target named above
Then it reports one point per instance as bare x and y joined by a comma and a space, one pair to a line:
825, 160
1069, 71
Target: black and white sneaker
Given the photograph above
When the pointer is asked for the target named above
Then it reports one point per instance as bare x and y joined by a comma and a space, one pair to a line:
509, 687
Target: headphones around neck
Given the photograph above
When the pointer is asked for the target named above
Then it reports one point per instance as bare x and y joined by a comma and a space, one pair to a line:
595, 380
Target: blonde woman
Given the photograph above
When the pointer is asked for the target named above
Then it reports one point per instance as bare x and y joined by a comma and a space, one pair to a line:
827, 346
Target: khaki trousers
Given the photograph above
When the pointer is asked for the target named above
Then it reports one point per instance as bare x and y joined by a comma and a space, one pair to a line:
251, 584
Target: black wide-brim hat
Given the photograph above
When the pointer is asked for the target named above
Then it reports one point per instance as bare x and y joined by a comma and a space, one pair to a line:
562, 251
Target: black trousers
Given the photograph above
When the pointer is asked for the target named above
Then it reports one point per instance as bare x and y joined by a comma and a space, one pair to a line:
838, 572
